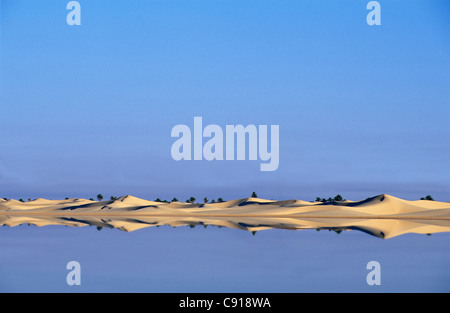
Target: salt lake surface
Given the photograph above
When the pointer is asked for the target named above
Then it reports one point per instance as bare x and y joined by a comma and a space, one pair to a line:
184, 259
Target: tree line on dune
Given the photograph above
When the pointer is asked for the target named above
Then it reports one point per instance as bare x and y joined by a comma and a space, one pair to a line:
337, 198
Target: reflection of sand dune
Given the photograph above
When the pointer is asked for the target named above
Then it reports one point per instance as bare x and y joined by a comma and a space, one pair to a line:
383, 216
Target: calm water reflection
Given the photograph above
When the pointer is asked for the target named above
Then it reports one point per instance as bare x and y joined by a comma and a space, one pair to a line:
379, 227
213, 259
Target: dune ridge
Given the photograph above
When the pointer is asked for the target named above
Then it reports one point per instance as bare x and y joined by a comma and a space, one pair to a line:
382, 206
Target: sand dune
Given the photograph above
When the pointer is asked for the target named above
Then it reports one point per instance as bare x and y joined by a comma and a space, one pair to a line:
383, 216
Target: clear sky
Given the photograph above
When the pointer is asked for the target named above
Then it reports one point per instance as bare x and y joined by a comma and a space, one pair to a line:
89, 109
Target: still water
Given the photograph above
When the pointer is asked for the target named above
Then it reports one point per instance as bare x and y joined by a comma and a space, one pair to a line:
212, 259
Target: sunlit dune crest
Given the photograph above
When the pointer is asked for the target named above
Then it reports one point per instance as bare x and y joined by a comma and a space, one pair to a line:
383, 216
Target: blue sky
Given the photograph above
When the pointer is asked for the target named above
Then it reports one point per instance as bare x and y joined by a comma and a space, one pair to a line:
88, 109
